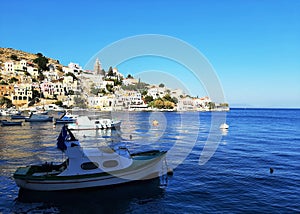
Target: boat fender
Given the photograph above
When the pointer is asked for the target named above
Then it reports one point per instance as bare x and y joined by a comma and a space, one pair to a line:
170, 171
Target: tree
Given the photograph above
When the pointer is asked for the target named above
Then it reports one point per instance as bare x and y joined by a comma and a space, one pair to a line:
224, 104
129, 76
175, 100
27, 73
109, 88
168, 98
14, 57
5, 101
161, 85
71, 92
41, 76
118, 81
39, 54
95, 91
144, 92
13, 80
59, 103
168, 105
35, 94
42, 62
148, 99
79, 102
110, 72
72, 75
3, 83
211, 105
158, 103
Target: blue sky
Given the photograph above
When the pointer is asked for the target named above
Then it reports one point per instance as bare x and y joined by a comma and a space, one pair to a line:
254, 46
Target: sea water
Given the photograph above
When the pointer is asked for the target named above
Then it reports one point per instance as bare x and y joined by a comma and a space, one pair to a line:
255, 166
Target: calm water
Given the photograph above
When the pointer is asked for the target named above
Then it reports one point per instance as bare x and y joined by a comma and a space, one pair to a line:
236, 179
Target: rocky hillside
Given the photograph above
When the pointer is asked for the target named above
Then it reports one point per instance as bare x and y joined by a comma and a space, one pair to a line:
9, 54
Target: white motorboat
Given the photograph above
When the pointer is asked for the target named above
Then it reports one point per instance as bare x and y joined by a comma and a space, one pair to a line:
94, 167
67, 118
84, 123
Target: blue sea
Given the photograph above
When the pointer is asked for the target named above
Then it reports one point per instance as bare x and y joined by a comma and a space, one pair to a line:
234, 178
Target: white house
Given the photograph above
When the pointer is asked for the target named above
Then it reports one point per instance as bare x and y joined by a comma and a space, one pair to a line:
22, 94
74, 68
33, 71
9, 67
129, 99
129, 81
185, 104
105, 102
47, 88
157, 92
201, 103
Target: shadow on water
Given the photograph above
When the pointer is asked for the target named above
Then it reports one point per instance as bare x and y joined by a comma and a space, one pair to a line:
116, 199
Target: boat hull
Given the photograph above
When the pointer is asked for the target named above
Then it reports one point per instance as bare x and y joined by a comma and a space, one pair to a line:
50, 119
10, 123
58, 121
143, 169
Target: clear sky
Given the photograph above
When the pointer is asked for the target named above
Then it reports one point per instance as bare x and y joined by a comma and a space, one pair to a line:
253, 45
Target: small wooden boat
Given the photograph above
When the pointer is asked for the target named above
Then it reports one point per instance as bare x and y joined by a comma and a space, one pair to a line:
93, 167
11, 123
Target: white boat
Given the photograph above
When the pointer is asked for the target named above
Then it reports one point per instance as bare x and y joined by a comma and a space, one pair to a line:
94, 167
224, 126
8, 112
84, 123
67, 118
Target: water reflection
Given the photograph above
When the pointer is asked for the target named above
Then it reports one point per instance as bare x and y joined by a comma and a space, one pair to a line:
117, 198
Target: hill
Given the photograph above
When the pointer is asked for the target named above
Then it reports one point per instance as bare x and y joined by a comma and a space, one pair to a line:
10, 54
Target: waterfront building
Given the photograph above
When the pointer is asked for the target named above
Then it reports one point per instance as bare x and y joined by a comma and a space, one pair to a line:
22, 94
185, 104
104, 103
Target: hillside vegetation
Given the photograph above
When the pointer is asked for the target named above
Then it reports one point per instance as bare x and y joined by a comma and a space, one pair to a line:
10, 54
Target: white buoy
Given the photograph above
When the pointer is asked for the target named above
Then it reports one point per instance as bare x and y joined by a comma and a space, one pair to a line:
224, 126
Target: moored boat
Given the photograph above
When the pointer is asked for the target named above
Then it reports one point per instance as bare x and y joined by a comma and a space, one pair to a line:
94, 167
39, 118
11, 123
84, 123
224, 126
17, 116
66, 118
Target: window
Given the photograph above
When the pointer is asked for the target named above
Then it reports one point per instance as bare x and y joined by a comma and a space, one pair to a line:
110, 163
89, 165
